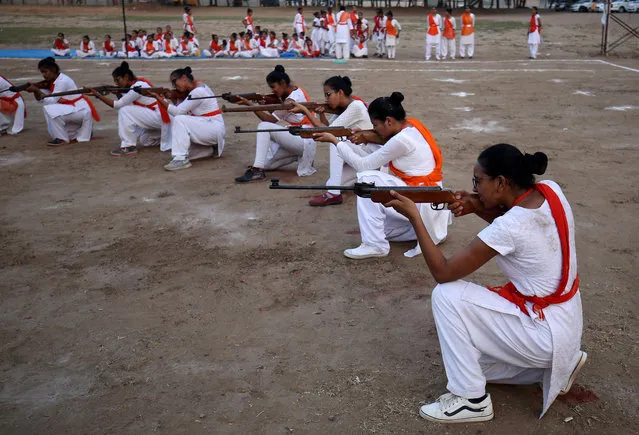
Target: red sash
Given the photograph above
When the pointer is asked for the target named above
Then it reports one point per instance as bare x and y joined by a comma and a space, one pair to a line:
214, 47
94, 113
449, 32
304, 121
163, 113
378, 24
130, 48
213, 113
59, 44
108, 48
433, 28
533, 23
167, 46
422, 180
509, 291
85, 46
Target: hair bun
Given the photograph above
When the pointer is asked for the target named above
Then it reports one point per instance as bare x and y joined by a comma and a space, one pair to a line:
188, 70
536, 163
347, 80
124, 64
279, 68
396, 98
50, 59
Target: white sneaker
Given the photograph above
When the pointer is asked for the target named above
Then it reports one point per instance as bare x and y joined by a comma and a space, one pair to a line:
580, 363
176, 165
450, 408
365, 251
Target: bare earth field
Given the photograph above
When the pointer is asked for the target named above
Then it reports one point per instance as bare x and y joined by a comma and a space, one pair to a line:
140, 301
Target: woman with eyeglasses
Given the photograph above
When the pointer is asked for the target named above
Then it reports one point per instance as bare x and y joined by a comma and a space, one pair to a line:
279, 148
527, 331
350, 112
196, 124
414, 159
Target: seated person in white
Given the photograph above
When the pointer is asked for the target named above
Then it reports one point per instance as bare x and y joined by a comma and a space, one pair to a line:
128, 48
61, 46
87, 48
527, 331
108, 48
414, 159
215, 48
12, 110
196, 124
361, 48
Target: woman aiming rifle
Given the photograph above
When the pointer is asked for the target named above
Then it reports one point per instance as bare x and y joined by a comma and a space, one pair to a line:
140, 118
528, 331
414, 159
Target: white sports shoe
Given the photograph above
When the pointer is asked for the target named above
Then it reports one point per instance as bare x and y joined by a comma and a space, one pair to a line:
365, 251
450, 408
582, 360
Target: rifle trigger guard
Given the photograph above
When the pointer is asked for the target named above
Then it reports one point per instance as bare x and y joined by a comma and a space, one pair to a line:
363, 189
437, 206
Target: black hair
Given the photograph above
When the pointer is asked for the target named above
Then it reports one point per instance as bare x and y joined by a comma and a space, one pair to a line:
213, 36
186, 8
535, 8
234, 35
278, 75
380, 11
49, 63
507, 160
340, 83
124, 70
107, 36
61, 35
449, 10
383, 107
151, 36
389, 13
249, 10
342, 8
186, 71
284, 35
86, 36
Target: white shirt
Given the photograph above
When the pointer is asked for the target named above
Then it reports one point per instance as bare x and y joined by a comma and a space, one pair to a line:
4, 84
62, 84
343, 34
131, 96
288, 117
408, 150
91, 46
196, 107
354, 116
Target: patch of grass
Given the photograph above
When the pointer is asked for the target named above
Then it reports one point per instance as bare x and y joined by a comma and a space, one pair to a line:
18, 36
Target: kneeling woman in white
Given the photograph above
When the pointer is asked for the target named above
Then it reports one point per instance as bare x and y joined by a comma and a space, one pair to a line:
12, 111
140, 118
529, 330
414, 159
68, 118
280, 148
196, 124
338, 94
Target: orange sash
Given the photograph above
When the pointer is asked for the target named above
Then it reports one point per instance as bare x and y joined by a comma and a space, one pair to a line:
433, 28
108, 48
533, 23
59, 44
94, 113
509, 291
304, 121
422, 180
467, 25
9, 105
163, 112
85, 46
330, 20
249, 21
213, 113
130, 48
167, 46
390, 29
354, 17
343, 19
247, 44
150, 48
214, 46
189, 21
449, 32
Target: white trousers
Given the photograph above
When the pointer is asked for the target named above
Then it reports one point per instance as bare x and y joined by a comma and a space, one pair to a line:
136, 123
13, 120
103, 53
433, 43
89, 53
65, 52
467, 45
342, 50
379, 225
276, 148
200, 130
391, 51
154, 55
380, 46
342, 174
164, 54
132, 54
75, 125
533, 50
486, 338
447, 47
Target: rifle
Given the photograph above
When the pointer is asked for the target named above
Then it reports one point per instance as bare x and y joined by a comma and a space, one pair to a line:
44, 84
435, 195
252, 96
306, 133
84, 90
274, 107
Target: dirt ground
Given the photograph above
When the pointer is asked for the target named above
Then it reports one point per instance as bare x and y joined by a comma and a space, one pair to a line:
140, 301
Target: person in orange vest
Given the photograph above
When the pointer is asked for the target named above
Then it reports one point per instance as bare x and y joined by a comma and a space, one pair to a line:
343, 35
248, 21
68, 118
187, 17
392, 30
61, 46
215, 48
413, 158
467, 39
196, 125
534, 33
108, 48
527, 331
140, 118
448, 42
331, 24
151, 48
168, 46
433, 35
87, 48
12, 110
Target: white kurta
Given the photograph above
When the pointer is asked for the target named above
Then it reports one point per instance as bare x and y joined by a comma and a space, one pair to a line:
535, 37
410, 153
14, 120
67, 121
139, 123
192, 124
276, 149
89, 52
298, 24
485, 337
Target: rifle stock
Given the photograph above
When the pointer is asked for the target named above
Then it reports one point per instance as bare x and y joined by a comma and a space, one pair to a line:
274, 107
83, 90
306, 133
40, 85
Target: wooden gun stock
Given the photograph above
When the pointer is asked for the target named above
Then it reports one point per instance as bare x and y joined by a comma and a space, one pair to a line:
44, 84
307, 133
274, 107
434, 197
252, 96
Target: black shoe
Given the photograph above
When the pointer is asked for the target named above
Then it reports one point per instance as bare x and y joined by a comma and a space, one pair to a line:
251, 174
56, 142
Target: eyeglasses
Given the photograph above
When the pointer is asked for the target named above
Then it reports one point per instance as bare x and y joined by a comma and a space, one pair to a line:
173, 81
476, 180
328, 94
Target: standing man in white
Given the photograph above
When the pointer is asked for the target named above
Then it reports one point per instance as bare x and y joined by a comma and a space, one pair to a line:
299, 24
534, 33
448, 40
433, 36
343, 34
467, 40
527, 331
